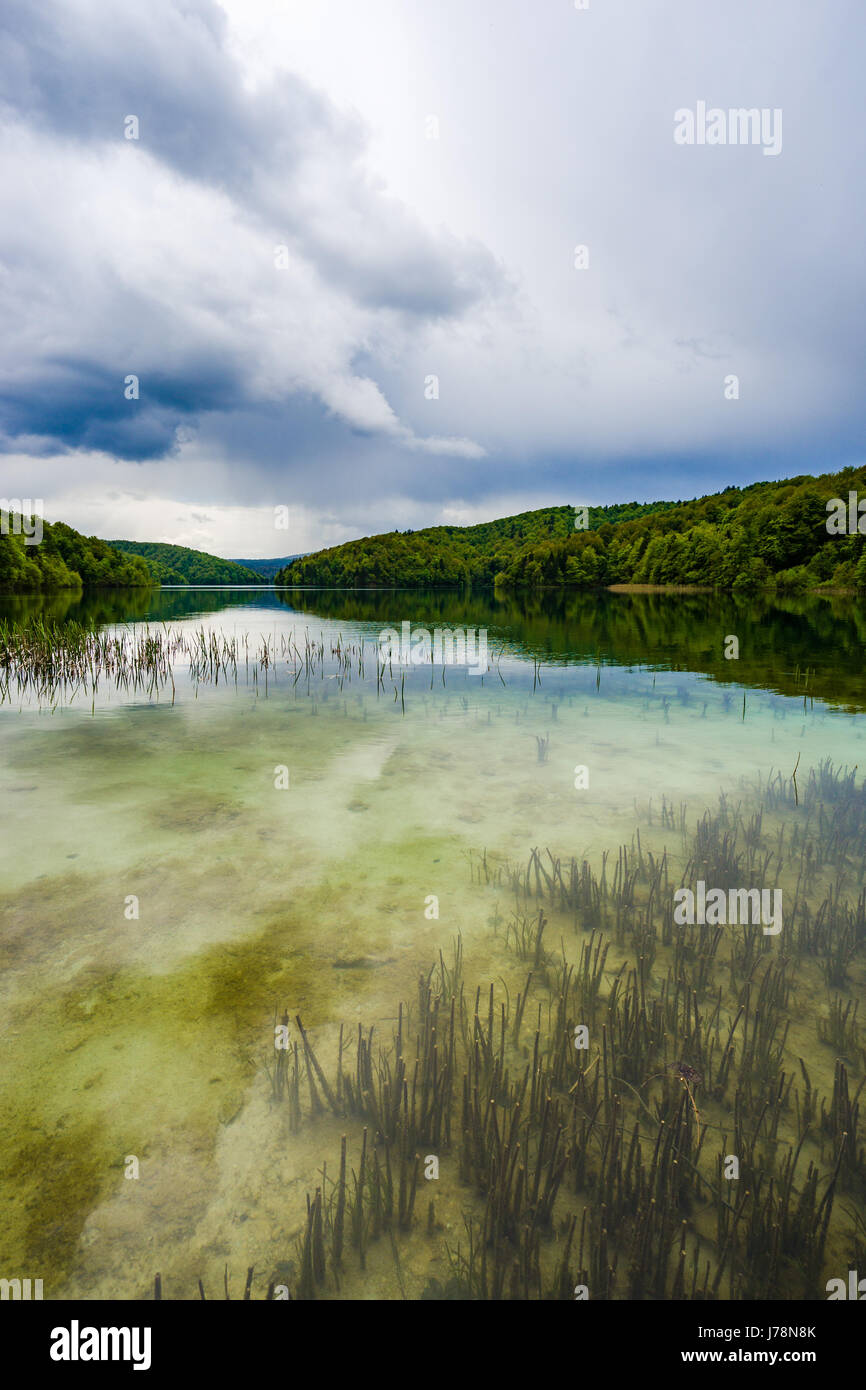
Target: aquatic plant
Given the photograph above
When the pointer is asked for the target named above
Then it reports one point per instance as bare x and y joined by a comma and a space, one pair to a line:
629, 1119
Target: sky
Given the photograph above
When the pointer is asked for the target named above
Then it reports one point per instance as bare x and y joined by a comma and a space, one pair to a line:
318, 259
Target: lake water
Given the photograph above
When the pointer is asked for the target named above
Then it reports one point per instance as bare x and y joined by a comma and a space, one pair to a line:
166, 889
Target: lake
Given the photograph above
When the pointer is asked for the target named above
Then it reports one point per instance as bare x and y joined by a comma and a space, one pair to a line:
301, 830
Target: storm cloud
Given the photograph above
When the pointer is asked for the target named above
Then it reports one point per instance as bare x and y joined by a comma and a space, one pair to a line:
339, 258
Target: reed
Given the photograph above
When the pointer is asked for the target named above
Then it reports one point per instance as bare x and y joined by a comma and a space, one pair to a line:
607, 1165
53, 663
840, 1029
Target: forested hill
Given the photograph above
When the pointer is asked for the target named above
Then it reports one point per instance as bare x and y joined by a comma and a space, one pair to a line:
64, 559
767, 535
177, 564
268, 568
444, 556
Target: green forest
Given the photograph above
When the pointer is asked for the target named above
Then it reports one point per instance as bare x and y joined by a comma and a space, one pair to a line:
64, 559
771, 535
177, 564
437, 557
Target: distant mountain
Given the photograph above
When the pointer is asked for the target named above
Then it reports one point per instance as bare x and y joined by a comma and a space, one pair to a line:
268, 568
177, 564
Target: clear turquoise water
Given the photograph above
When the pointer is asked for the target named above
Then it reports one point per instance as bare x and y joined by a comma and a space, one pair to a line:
146, 1036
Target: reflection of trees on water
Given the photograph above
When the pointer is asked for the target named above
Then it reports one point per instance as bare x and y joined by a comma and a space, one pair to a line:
796, 645
132, 605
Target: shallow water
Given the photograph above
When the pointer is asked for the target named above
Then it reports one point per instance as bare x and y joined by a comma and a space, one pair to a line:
148, 1035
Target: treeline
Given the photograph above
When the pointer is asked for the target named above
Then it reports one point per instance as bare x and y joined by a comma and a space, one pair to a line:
66, 560
63, 559
768, 535
437, 557
177, 564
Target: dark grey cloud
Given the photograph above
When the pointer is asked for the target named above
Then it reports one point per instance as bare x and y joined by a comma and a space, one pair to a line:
84, 405
140, 291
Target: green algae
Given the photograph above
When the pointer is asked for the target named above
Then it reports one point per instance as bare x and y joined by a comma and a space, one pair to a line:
50, 1185
103, 1070
125, 1058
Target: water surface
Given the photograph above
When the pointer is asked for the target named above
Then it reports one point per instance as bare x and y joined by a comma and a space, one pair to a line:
146, 1035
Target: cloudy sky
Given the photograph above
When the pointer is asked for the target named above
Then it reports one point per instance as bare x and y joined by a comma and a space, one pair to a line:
330, 203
